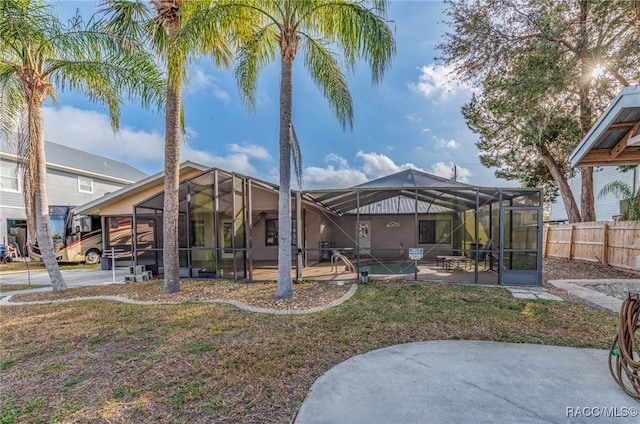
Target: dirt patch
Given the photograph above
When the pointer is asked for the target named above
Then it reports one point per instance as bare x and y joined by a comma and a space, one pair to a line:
564, 269
306, 295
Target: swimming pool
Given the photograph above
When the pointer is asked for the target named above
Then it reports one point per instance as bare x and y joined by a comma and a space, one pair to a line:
389, 268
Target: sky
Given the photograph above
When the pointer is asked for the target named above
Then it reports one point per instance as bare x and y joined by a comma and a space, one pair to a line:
411, 119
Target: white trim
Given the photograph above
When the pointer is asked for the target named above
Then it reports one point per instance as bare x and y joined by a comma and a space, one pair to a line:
81, 184
15, 176
14, 158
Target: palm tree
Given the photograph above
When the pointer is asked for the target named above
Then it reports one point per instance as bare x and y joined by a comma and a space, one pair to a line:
178, 31
39, 53
624, 192
318, 28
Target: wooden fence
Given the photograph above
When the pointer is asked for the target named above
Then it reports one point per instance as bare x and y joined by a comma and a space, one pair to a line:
613, 243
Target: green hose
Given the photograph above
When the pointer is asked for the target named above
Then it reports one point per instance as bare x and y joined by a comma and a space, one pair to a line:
624, 355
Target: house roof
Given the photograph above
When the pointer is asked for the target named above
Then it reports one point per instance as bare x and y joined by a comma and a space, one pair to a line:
67, 158
608, 142
94, 206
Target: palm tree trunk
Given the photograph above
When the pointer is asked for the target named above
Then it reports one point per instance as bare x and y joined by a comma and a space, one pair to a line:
284, 288
170, 254
38, 183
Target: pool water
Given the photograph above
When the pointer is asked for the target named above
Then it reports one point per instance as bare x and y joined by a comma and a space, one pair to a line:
389, 268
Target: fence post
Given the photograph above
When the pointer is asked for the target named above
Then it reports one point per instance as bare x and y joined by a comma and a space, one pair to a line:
605, 243
573, 230
546, 229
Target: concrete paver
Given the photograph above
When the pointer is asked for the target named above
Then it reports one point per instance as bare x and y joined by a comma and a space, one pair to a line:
470, 382
533, 294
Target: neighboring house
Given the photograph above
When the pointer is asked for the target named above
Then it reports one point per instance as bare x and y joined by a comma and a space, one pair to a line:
74, 177
612, 141
607, 208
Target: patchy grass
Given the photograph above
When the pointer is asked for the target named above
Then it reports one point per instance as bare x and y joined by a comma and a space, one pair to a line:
6, 363
214, 363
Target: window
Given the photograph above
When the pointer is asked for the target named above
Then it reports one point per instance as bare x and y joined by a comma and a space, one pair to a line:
9, 176
85, 185
435, 231
271, 226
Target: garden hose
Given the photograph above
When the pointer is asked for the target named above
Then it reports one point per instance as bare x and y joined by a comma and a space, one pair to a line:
624, 355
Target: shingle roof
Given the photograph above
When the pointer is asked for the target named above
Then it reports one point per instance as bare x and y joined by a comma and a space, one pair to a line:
60, 155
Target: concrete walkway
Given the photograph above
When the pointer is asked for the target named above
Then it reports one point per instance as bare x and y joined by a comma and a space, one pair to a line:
460, 382
73, 278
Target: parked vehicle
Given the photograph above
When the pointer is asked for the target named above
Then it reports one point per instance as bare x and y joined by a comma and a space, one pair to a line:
76, 238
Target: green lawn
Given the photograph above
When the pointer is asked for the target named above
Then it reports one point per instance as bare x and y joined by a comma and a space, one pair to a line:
111, 362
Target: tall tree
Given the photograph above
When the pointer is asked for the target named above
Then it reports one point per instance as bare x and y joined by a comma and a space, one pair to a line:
39, 53
318, 27
178, 31
582, 52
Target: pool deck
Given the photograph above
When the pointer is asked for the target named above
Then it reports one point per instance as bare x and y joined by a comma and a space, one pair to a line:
427, 271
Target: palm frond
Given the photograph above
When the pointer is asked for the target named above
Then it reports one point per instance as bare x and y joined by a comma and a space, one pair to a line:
324, 69
360, 32
296, 155
618, 188
253, 56
11, 101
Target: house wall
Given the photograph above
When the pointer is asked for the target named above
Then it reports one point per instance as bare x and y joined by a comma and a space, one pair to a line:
606, 207
316, 227
389, 242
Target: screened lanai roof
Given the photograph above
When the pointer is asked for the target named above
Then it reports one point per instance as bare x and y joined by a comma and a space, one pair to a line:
398, 194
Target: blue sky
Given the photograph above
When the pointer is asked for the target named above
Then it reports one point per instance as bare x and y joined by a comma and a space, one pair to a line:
411, 119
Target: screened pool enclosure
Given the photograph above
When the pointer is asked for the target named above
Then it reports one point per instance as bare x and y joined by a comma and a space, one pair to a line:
228, 228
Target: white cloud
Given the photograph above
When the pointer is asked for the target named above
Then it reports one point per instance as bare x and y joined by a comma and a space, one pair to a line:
91, 131
330, 177
374, 165
447, 144
438, 81
377, 165
200, 81
250, 150
445, 170
332, 157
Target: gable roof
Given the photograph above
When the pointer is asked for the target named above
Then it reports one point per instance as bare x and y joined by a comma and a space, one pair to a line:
607, 142
67, 158
93, 207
